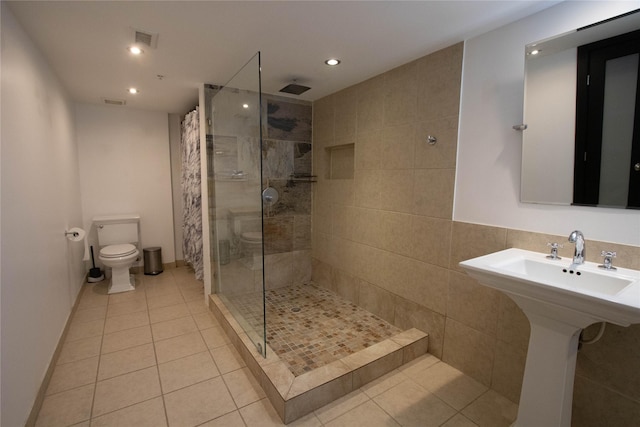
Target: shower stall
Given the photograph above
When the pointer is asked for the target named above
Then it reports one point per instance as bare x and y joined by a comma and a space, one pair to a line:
235, 182
259, 170
260, 183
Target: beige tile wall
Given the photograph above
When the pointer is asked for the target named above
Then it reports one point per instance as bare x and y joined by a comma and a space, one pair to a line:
386, 240
382, 239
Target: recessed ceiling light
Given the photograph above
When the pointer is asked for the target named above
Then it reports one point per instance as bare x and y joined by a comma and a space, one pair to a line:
534, 52
245, 105
332, 62
135, 50
133, 90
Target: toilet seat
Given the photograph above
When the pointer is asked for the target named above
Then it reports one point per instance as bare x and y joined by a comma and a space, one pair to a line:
117, 251
252, 236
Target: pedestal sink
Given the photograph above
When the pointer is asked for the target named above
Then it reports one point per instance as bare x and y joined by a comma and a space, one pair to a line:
559, 302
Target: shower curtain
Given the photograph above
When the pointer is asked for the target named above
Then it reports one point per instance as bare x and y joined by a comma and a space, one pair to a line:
191, 193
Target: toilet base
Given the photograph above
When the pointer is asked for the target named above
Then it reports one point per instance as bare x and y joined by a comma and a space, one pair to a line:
252, 262
121, 282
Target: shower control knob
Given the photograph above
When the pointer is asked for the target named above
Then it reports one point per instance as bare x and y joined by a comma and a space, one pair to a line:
270, 195
636, 167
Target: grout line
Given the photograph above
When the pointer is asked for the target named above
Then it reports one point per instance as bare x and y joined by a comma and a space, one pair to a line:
119, 409
95, 384
229, 391
155, 354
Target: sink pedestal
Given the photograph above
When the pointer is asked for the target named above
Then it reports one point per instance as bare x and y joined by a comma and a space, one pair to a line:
547, 387
559, 301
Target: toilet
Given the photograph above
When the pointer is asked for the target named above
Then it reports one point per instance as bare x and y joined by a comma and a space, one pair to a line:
246, 228
118, 237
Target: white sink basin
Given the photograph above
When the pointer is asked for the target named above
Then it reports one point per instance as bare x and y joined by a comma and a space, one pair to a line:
559, 302
577, 279
611, 296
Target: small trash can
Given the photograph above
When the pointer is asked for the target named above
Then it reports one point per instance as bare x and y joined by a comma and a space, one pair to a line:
224, 252
152, 260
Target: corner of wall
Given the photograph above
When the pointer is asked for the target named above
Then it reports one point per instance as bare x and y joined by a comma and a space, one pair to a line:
206, 230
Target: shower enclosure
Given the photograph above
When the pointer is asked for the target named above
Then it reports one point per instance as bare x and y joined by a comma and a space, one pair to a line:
260, 181
234, 144
259, 161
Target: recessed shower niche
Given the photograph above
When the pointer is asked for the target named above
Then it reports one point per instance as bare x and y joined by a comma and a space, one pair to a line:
340, 161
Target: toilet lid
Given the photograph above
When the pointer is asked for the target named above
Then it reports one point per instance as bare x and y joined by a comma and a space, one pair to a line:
114, 251
252, 235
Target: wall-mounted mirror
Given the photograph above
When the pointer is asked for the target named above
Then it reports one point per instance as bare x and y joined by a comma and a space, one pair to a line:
558, 133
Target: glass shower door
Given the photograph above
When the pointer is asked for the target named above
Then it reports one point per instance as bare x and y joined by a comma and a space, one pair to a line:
235, 166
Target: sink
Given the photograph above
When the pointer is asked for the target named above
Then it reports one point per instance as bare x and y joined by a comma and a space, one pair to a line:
559, 300
594, 294
579, 280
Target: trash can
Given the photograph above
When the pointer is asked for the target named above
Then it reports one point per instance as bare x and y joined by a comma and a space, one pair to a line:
224, 252
152, 260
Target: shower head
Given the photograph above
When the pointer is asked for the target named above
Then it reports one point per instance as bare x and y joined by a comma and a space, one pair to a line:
295, 89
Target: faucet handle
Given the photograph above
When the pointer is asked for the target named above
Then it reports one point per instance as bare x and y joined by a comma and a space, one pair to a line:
608, 258
554, 250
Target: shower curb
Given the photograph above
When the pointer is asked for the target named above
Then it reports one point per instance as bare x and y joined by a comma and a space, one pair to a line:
294, 397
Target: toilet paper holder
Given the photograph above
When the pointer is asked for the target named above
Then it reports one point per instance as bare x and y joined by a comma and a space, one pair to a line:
74, 234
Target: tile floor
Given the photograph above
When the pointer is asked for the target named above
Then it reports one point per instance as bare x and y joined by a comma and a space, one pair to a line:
310, 327
157, 357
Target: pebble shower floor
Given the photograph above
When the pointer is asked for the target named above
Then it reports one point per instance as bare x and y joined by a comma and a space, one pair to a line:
309, 327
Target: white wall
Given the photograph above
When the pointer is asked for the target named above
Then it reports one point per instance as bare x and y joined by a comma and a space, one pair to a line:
489, 150
41, 271
175, 137
125, 168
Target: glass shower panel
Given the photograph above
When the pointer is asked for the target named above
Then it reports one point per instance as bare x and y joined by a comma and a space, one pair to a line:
235, 165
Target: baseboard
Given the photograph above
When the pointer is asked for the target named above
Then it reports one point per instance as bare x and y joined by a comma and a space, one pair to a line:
169, 265
165, 266
37, 404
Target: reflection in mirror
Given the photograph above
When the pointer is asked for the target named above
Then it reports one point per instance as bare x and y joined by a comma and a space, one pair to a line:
607, 114
549, 143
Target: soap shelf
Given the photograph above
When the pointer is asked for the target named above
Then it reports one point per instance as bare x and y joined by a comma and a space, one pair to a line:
295, 177
232, 176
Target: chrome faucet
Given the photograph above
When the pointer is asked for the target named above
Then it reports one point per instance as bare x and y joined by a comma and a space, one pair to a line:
578, 256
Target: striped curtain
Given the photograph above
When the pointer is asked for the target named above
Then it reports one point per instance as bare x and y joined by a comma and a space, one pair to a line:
191, 194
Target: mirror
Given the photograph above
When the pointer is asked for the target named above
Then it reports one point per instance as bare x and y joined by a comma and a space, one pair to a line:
549, 142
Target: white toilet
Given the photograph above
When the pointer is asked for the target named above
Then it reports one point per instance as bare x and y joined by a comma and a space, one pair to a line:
246, 228
118, 237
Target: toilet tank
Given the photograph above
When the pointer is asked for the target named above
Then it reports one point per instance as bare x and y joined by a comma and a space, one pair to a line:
245, 219
117, 229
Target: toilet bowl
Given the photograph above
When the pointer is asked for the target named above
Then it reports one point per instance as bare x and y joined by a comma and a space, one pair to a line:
118, 239
251, 248
246, 229
119, 258
251, 237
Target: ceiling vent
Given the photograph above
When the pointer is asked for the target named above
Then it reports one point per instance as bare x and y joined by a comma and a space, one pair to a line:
117, 102
145, 38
